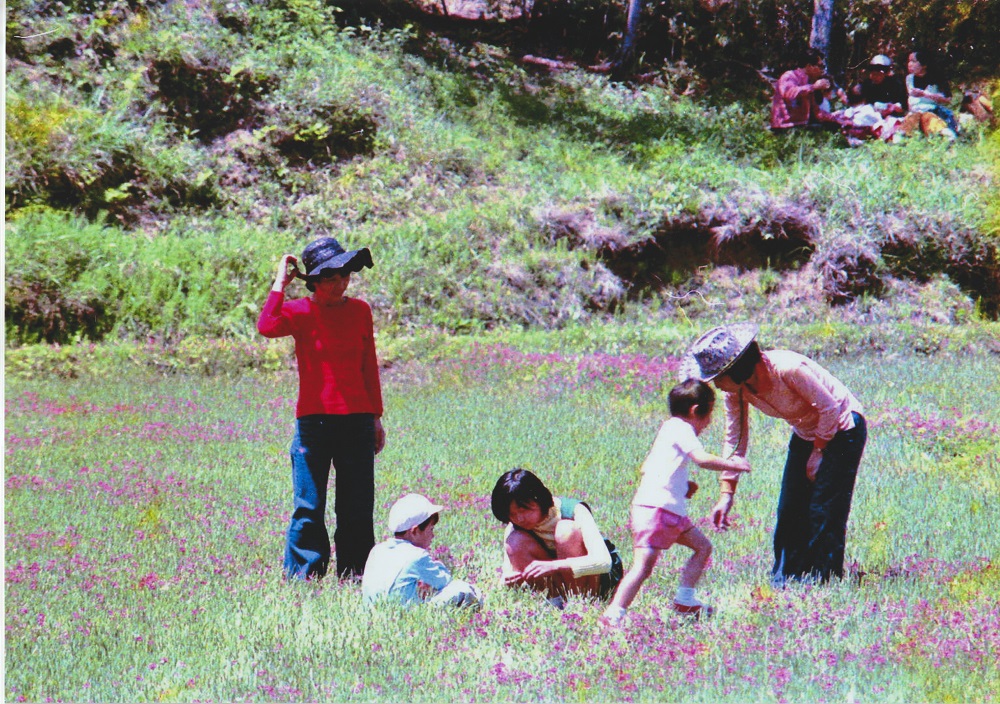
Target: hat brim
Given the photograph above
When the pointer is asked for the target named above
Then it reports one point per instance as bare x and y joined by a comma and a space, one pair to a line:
432, 509
352, 261
744, 333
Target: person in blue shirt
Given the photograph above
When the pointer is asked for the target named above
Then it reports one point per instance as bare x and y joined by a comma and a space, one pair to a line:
401, 569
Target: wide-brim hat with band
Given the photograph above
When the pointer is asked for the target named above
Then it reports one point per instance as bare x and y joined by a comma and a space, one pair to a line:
717, 350
327, 253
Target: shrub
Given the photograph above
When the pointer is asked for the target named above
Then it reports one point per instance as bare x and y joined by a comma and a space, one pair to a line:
64, 151
38, 311
849, 270
75, 280
209, 100
937, 246
49, 294
334, 132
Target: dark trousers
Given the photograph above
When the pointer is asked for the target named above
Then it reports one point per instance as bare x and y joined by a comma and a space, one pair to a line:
348, 443
811, 529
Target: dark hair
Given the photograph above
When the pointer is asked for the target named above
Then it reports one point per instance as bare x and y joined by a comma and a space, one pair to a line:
326, 273
429, 521
522, 487
812, 57
742, 368
925, 58
934, 75
689, 394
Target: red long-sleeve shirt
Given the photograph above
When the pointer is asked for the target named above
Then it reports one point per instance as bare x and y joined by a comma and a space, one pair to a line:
335, 350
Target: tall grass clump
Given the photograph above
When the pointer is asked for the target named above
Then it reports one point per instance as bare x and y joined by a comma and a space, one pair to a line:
74, 280
66, 150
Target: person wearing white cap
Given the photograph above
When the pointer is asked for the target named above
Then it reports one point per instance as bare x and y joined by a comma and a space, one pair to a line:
401, 569
828, 439
882, 89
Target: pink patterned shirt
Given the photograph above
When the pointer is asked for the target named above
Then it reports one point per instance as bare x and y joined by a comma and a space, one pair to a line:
814, 402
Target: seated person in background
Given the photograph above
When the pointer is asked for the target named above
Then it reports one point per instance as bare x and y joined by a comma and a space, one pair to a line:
882, 89
864, 120
929, 94
977, 107
826, 98
400, 569
552, 544
794, 103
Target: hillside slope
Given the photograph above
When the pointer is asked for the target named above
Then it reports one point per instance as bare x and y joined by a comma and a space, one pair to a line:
161, 157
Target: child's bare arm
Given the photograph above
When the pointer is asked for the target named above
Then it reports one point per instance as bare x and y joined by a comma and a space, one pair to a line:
706, 460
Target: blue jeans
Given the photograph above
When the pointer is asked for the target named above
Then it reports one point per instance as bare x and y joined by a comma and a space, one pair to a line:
348, 443
811, 530
948, 116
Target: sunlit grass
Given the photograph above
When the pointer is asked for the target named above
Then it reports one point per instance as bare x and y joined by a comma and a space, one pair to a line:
144, 524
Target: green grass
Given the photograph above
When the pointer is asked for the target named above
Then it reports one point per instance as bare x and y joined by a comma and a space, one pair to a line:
144, 522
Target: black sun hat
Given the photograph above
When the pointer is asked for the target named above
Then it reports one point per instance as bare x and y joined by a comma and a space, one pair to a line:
326, 253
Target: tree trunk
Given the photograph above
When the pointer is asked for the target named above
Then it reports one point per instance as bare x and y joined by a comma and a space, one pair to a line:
822, 20
624, 62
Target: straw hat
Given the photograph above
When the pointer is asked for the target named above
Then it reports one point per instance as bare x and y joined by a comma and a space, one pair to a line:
715, 351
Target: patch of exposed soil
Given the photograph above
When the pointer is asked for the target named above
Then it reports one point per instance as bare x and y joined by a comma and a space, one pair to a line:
759, 235
682, 246
208, 100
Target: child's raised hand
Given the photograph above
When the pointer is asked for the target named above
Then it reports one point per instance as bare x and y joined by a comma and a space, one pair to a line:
287, 271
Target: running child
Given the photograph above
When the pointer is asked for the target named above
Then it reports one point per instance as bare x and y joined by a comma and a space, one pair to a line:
659, 509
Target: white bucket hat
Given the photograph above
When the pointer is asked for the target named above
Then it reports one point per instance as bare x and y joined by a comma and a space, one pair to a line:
409, 511
715, 351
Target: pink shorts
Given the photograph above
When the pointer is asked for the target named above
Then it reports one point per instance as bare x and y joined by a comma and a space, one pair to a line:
657, 527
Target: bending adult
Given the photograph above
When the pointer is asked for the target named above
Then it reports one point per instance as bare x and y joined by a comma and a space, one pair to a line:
828, 439
552, 544
794, 102
339, 408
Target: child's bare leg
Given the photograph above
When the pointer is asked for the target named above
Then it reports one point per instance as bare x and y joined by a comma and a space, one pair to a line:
569, 543
643, 562
695, 566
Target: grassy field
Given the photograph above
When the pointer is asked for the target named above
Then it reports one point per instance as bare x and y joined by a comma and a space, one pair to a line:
144, 522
